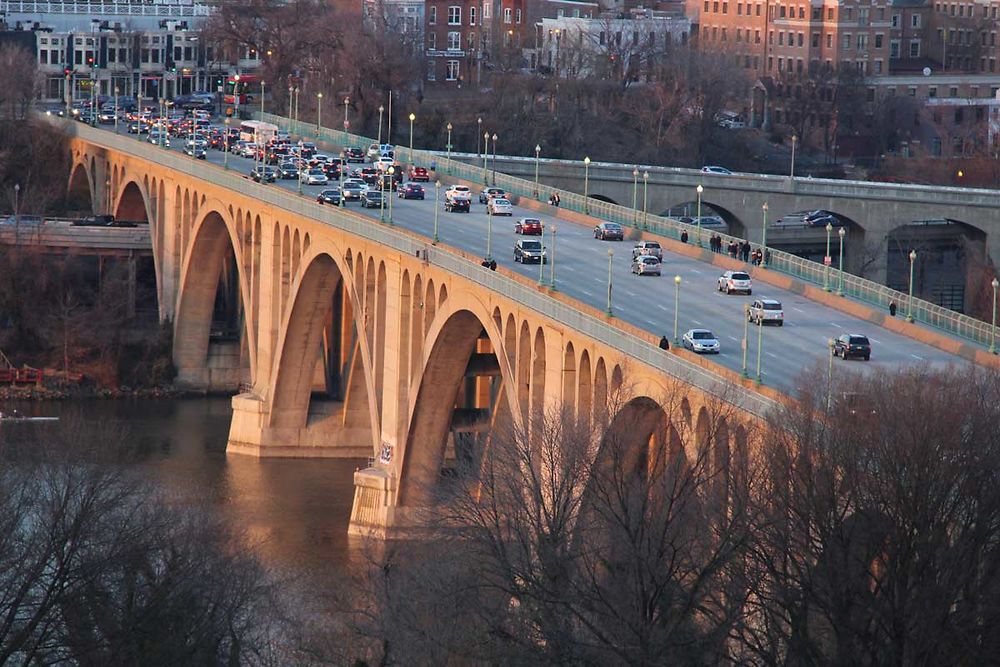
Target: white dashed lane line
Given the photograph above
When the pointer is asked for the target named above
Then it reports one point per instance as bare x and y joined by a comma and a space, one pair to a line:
836, 325
917, 356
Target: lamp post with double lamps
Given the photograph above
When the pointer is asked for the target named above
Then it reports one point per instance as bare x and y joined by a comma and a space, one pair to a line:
347, 123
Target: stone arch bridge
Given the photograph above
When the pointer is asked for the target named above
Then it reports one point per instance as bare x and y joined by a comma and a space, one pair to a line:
358, 340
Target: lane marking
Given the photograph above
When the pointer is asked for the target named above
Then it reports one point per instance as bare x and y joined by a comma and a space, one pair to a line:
798, 310
917, 356
734, 338
836, 325
663, 308
874, 340
696, 322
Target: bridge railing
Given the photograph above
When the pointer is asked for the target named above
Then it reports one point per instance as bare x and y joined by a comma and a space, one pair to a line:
867, 291
413, 245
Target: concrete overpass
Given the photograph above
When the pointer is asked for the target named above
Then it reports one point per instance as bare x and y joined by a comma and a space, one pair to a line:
360, 339
875, 210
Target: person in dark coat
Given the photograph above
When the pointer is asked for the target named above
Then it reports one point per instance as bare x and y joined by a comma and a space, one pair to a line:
684, 236
892, 308
664, 343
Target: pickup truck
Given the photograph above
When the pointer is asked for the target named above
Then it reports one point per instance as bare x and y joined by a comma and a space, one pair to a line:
651, 248
457, 200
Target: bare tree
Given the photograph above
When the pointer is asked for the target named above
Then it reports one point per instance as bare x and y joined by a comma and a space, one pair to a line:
880, 524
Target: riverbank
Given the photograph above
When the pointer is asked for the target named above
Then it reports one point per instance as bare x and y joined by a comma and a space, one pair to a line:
33, 393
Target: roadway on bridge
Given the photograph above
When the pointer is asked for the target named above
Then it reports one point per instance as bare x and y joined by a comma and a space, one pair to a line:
581, 272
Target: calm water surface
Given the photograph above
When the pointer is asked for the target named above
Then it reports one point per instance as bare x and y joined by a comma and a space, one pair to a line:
296, 511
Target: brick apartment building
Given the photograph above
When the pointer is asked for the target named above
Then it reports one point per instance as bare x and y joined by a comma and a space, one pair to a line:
465, 37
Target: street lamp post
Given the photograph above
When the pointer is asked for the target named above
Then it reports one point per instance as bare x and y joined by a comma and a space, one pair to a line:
760, 347
791, 172
225, 158
448, 147
295, 112
117, 92
486, 156
586, 184
392, 178
262, 99
840, 262
381, 109
538, 152
552, 261
827, 260
289, 103
236, 95
319, 111
381, 205
437, 198
347, 123
494, 159
413, 117
489, 233
699, 190
163, 122
541, 264
635, 196
831, 343
909, 302
763, 236
17, 213
746, 336
993, 330
677, 307
611, 255
479, 131
645, 192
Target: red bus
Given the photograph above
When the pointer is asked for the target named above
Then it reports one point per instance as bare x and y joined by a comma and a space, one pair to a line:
242, 87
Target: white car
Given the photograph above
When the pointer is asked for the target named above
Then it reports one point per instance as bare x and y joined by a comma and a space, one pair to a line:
320, 158
314, 177
700, 340
383, 163
644, 265
712, 169
498, 206
459, 189
735, 281
765, 311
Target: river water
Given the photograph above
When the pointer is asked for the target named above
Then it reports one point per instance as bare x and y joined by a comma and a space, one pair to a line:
295, 511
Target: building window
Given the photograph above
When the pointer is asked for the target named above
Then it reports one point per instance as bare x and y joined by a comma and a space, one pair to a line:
432, 41
845, 42
915, 21
829, 40
454, 15
894, 22
725, 7
932, 91
878, 66
431, 74
915, 48
739, 8
815, 40
486, 9
894, 48
862, 41
878, 41
432, 18
508, 15
953, 92
756, 36
758, 10
781, 38
518, 19
472, 16
451, 74
800, 39
454, 41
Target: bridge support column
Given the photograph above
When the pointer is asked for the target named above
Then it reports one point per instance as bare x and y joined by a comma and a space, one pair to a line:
374, 513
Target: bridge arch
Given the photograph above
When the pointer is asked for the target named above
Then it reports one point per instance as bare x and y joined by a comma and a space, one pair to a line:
80, 191
452, 340
132, 203
603, 198
734, 224
211, 274
322, 329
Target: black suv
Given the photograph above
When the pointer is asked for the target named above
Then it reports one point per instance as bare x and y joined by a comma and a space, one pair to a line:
852, 345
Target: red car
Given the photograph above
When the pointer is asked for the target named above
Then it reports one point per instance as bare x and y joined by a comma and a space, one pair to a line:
528, 227
419, 174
